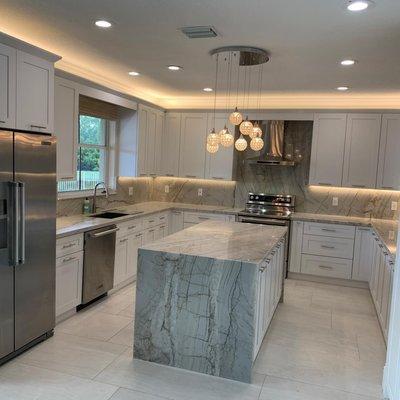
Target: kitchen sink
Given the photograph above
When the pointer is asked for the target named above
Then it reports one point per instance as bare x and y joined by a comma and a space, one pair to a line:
109, 215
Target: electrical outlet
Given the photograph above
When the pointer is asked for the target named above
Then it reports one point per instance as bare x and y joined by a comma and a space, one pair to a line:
335, 201
130, 191
391, 235
166, 188
200, 192
394, 206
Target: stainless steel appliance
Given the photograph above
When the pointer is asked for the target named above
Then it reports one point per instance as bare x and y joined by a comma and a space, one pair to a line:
28, 199
269, 209
98, 263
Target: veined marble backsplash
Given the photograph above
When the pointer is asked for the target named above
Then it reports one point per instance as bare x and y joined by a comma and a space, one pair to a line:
294, 180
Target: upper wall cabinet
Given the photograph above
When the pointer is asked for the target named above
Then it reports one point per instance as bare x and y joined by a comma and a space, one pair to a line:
389, 151
8, 57
66, 110
35, 93
193, 145
150, 128
170, 145
219, 165
328, 143
361, 150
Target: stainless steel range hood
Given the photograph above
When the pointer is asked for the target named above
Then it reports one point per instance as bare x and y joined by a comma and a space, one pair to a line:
274, 151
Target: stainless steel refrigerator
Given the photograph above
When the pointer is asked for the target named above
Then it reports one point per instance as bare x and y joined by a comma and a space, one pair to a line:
28, 197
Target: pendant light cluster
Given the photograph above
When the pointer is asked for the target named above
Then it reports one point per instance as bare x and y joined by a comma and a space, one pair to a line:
246, 59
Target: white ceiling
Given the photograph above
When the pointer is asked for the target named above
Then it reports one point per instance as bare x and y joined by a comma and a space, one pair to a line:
306, 40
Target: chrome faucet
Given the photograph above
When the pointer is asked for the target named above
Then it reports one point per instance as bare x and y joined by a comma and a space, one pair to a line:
105, 191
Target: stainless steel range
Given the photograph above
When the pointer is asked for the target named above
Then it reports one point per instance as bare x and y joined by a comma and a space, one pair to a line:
269, 209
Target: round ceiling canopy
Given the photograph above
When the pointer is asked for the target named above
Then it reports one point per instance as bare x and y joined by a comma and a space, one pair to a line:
248, 55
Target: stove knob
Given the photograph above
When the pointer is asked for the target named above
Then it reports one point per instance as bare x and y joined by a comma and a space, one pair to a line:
257, 197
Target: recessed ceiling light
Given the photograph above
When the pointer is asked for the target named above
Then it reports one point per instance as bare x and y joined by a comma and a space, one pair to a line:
133, 73
342, 88
103, 24
358, 5
208, 89
174, 67
348, 63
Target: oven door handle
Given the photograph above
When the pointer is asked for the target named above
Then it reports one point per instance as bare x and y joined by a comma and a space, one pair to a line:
264, 221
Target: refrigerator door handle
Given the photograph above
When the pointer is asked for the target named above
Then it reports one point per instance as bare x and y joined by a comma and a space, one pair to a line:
21, 230
14, 223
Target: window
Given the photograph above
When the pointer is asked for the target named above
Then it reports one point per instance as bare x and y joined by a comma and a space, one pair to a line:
93, 154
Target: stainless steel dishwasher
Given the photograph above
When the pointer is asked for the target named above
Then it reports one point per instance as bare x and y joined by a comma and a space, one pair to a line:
98, 263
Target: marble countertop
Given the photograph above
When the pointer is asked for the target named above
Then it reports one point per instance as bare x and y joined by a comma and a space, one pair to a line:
231, 241
386, 229
80, 223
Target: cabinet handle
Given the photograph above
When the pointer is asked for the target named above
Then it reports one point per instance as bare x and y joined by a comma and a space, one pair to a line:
38, 126
66, 178
123, 240
387, 187
67, 246
151, 221
191, 176
161, 218
328, 230
169, 175
139, 234
358, 186
162, 226
327, 247
217, 177
325, 267
324, 184
132, 227
68, 259
203, 218
177, 212
2, 122
151, 230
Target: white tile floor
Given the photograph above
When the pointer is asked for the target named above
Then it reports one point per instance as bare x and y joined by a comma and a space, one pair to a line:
324, 343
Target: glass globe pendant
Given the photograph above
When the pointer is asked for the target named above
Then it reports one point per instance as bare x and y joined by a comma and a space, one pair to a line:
213, 138
241, 144
236, 118
226, 138
256, 144
256, 131
212, 148
246, 127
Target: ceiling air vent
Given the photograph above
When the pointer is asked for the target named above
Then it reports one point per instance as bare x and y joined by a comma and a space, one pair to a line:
196, 32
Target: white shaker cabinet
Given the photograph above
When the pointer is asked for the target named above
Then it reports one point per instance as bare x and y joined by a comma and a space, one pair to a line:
363, 254
35, 93
66, 113
219, 166
389, 153
193, 145
176, 221
170, 145
326, 165
361, 150
8, 57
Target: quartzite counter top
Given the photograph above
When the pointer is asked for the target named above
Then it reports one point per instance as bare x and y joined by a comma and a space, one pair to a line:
198, 302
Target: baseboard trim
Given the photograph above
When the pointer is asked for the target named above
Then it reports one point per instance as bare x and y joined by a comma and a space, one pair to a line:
330, 281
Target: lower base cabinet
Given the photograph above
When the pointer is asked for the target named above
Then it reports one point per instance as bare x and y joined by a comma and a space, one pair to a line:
68, 282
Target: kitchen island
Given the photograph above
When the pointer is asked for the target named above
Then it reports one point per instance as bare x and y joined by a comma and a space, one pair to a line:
205, 296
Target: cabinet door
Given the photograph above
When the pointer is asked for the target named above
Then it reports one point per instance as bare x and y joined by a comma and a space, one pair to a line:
142, 139
68, 282
361, 150
296, 244
376, 251
8, 57
160, 120
134, 242
149, 236
121, 260
363, 255
151, 142
66, 111
170, 145
35, 93
386, 292
176, 221
389, 150
326, 165
193, 145
219, 166
160, 232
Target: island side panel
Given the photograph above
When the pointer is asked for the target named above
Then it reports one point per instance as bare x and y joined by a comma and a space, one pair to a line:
196, 313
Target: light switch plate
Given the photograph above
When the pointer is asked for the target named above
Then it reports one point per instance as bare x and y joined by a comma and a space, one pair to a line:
200, 192
335, 201
130, 191
394, 206
166, 188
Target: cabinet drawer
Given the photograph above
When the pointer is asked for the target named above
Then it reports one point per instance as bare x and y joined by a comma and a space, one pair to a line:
126, 228
326, 266
333, 230
151, 221
196, 218
69, 245
328, 246
162, 218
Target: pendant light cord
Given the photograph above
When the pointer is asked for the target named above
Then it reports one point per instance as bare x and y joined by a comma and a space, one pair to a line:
216, 86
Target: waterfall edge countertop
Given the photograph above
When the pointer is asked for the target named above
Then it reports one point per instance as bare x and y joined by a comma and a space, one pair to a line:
231, 241
198, 301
